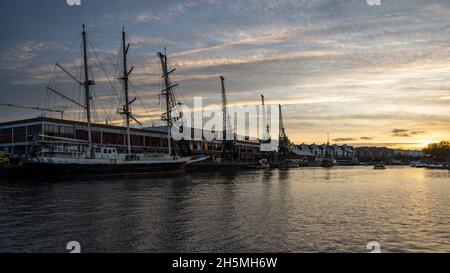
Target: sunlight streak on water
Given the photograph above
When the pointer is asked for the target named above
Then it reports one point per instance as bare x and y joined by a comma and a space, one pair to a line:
301, 210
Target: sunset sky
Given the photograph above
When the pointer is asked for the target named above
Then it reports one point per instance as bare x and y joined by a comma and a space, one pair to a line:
368, 75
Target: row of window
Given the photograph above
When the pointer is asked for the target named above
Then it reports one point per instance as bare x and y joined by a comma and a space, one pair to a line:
29, 133
59, 131
19, 134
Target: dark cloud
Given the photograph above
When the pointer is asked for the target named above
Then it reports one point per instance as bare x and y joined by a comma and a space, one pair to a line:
384, 144
401, 135
398, 131
343, 139
406, 133
366, 138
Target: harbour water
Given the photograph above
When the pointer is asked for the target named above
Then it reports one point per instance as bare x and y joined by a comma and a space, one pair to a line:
298, 210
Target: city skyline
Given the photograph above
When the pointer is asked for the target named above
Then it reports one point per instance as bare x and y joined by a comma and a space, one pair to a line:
369, 75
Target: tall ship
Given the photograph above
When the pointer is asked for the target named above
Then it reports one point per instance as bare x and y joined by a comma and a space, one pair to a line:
328, 161
66, 157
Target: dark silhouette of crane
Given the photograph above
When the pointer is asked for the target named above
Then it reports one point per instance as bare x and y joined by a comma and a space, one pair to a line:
284, 143
228, 147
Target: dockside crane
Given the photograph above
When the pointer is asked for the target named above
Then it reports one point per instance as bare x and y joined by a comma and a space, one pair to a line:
266, 137
37, 108
283, 149
228, 147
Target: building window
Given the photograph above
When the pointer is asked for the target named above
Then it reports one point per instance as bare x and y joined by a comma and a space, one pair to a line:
59, 131
81, 135
33, 132
153, 141
6, 136
20, 134
113, 139
96, 137
67, 132
137, 140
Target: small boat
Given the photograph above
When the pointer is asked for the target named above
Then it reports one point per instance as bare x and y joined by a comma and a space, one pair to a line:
420, 165
288, 164
263, 165
436, 166
327, 163
379, 166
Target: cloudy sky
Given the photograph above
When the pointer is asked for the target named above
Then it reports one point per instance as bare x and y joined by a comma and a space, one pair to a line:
377, 75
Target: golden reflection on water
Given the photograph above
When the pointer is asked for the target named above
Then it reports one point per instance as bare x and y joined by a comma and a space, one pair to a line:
299, 210
402, 207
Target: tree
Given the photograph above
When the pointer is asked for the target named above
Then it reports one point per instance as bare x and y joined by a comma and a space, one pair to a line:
438, 151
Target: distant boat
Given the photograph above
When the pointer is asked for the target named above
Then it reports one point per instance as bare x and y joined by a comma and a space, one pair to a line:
379, 166
289, 164
417, 164
327, 161
263, 165
436, 166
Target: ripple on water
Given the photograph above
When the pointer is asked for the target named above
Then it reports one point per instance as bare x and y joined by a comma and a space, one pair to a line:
301, 210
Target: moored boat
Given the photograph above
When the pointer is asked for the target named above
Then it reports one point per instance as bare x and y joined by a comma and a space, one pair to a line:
327, 161
262, 165
380, 166
420, 165
63, 157
288, 164
436, 166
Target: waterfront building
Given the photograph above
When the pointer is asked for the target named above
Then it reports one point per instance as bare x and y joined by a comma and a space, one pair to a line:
18, 137
374, 153
339, 152
385, 154
409, 153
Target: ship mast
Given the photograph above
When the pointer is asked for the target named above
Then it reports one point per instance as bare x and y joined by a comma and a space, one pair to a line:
87, 90
87, 83
266, 134
126, 108
227, 129
327, 152
224, 112
170, 98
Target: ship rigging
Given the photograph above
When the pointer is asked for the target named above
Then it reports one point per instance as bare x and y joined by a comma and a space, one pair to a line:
82, 157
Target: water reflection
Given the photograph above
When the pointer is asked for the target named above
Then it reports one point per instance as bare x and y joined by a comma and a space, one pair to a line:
299, 210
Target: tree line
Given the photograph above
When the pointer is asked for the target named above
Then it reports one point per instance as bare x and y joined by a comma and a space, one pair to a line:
439, 152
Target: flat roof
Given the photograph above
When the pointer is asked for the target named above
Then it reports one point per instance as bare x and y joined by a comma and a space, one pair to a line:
157, 130
74, 122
